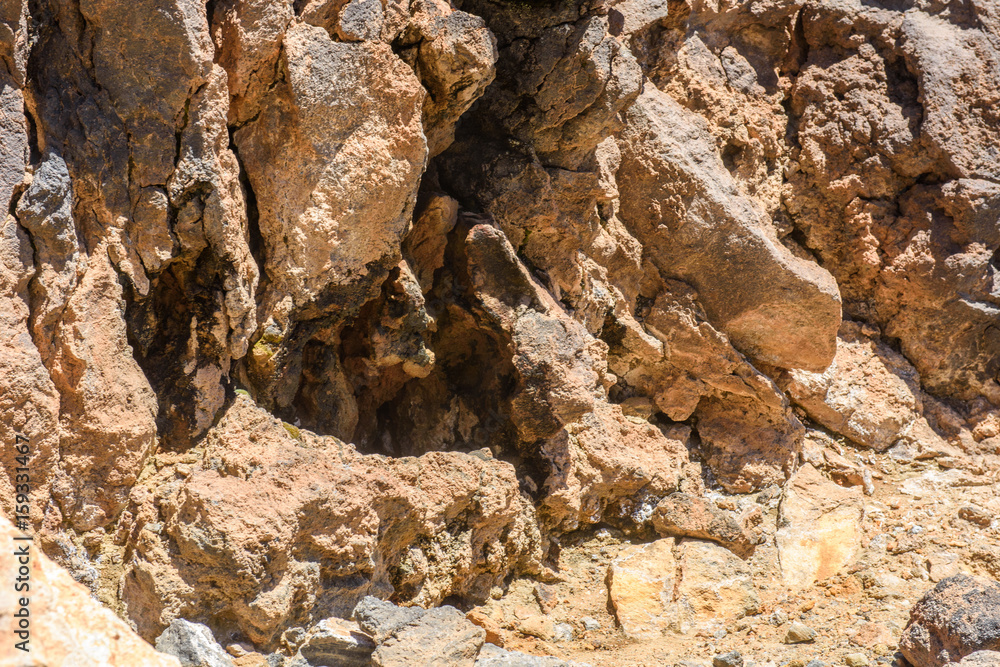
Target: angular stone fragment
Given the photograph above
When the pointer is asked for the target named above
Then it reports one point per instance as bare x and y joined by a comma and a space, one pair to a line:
681, 203
819, 528
799, 633
561, 373
454, 55
958, 617
334, 641
702, 587
68, 627
870, 393
334, 163
641, 585
192, 644
437, 637
494, 656
681, 515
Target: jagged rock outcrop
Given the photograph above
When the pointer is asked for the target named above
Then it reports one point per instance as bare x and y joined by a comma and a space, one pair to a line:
302, 301
338, 526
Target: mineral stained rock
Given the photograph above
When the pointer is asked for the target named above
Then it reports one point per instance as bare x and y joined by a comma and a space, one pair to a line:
303, 301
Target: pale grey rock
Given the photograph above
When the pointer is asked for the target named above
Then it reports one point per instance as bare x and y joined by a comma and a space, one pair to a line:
192, 644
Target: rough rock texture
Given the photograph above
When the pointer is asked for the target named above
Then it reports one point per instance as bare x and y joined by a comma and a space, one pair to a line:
955, 619
407, 636
979, 659
681, 587
869, 394
192, 644
339, 526
819, 528
68, 628
493, 656
680, 515
337, 641
306, 300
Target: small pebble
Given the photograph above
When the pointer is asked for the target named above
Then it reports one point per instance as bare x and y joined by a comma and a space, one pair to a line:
563, 632
798, 633
856, 660
239, 650
731, 659
590, 624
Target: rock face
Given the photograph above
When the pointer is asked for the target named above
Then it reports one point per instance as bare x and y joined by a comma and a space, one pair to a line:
680, 587
67, 626
303, 301
959, 617
819, 528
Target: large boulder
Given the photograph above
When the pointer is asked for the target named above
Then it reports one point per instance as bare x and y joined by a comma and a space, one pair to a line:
438, 637
870, 393
958, 617
679, 200
274, 527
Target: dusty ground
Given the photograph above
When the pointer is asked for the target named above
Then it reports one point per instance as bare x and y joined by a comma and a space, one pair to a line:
913, 537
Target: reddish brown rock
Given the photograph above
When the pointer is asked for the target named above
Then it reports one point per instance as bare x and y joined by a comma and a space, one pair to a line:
774, 306
869, 394
680, 515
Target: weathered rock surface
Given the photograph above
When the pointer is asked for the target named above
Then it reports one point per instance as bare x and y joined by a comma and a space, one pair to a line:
869, 393
335, 641
665, 586
819, 528
979, 659
407, 636
420, 527
67, 627
680, 515
774, 306
192, 644
493, 656
955, 619
308, 300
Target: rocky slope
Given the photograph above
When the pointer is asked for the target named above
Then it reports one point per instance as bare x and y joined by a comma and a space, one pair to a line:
303, 301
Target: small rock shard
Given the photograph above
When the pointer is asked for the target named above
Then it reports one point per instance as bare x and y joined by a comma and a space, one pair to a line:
797, 633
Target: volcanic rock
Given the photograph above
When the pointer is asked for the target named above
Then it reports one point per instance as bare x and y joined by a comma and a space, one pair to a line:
956, 618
